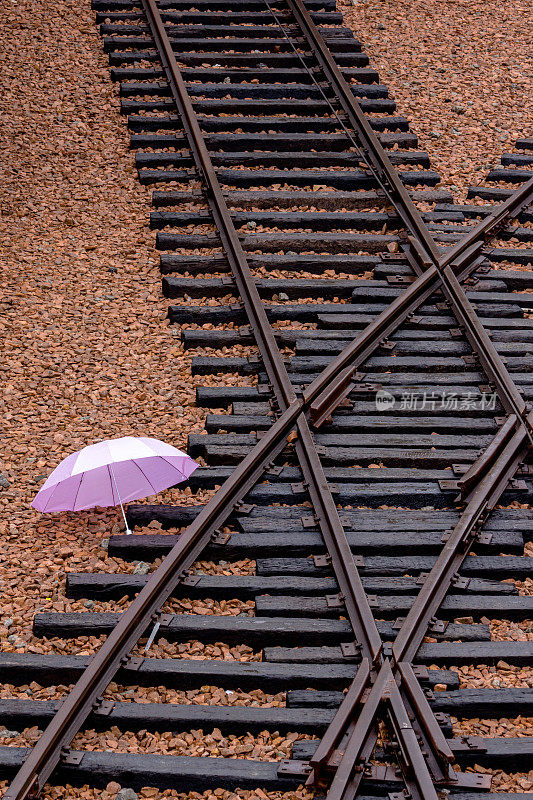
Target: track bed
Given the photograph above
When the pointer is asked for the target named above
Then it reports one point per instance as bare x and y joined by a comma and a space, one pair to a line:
368, 344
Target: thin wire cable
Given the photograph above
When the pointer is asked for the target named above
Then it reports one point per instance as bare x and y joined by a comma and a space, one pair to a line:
328, 102
318, 86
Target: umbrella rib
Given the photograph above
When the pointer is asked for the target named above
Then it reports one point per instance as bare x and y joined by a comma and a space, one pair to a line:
77, 491
146, 476
112, 480
172, 465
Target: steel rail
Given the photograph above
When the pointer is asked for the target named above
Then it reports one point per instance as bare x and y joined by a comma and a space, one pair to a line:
56, 739
404, 206
438, 273
453, 267
350, 584
133, 622
492, 224
410, 717
47, 752
358, 749
335, 382
219, 209
367, 141
425, 249
482, 345
496, 465
479, 339
429, 257
352, 593
420, 739
494, 468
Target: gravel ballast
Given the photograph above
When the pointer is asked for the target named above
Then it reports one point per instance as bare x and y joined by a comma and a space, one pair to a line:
89, 353
459, 70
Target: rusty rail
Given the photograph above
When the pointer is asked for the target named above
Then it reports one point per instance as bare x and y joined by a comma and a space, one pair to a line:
359, 611
393, 683
440, 270
458, 262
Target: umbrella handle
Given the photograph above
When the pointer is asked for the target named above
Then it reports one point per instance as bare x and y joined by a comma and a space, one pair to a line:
112, 472
125, 520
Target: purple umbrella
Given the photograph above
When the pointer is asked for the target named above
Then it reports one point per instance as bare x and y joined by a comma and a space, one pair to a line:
112, 472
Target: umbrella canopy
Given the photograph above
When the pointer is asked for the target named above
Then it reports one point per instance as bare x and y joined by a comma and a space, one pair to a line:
112, 472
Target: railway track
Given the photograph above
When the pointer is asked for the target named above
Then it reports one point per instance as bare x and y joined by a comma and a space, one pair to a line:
374, 463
